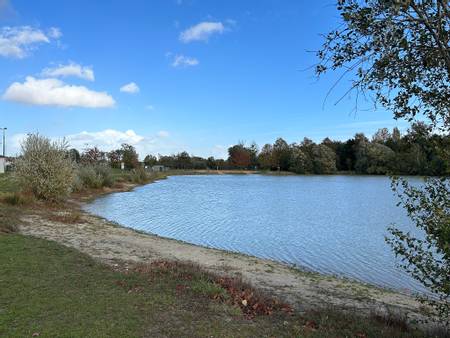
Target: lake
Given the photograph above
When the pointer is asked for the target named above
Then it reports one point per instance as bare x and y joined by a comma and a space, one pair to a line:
329, 224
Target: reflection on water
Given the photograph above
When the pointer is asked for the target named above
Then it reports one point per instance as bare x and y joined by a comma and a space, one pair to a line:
330, 224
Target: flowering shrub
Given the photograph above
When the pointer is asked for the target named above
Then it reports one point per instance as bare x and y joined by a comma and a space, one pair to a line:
45, 169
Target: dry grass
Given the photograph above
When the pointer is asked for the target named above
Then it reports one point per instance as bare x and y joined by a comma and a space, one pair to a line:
66, 217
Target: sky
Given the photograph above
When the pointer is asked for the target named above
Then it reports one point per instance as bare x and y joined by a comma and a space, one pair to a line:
172, 75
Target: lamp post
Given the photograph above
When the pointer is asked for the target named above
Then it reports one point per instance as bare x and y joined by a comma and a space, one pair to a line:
4, 140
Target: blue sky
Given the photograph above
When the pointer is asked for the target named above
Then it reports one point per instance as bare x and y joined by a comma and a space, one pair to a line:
171, 75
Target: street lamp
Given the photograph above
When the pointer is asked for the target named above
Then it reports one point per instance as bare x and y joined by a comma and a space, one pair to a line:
4, 140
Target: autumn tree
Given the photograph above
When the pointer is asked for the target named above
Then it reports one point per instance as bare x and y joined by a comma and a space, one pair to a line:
239, 156
93, 156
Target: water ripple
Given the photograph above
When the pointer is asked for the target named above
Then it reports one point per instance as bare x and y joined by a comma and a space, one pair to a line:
330, 224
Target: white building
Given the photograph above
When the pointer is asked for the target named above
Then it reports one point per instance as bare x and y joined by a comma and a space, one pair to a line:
2, 164
159, 168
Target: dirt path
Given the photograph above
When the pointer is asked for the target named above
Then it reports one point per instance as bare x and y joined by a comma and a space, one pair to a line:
304, 290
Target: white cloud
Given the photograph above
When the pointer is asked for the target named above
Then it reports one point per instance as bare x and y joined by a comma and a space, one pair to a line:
18, 42
53, 92
184, 61
111, 139
202, 31
106, 140
130, 88
54, 33
163, 134
71, 69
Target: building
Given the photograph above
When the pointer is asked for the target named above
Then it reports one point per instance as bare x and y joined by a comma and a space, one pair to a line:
2, 164
159, 168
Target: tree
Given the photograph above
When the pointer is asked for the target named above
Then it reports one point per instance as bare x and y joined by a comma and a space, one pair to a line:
381, 136
399, 51
265, 157
74, 155
380, 159
168, 161
281, 154
324, 159
239, 156
211, 163
93, 156
253, 149
150, 160
360, 150
394, 141
115, 158
129, 156
345, 153
307, 146
183, 161
45, 169
428, 259
298, 160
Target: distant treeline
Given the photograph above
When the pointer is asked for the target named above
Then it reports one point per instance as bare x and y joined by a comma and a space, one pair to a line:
417, 152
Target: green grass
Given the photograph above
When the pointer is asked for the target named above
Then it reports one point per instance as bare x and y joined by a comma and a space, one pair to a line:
8, 183
58, 292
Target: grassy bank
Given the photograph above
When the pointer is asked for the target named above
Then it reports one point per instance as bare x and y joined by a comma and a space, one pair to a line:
52, 291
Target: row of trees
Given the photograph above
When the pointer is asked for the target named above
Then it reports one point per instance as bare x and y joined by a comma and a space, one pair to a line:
418, 152
126, 154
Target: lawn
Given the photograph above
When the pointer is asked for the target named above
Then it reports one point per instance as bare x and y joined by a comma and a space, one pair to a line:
53, 291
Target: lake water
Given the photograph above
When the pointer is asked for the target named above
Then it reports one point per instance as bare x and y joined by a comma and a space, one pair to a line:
329, 224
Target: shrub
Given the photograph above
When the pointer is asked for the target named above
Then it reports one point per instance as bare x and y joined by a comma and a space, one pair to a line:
94, 177
106, 174
45, 169
138, 175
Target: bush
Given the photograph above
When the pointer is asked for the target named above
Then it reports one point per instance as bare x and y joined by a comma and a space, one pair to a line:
106, 174
138, 175
45, 169
94, 177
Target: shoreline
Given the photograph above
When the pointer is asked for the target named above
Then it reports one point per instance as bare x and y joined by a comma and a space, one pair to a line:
115, 244
166, 175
